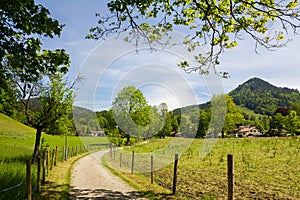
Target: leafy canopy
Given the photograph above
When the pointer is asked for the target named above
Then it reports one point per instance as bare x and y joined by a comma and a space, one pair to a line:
131, 110
22, 25
218, 25
46, 102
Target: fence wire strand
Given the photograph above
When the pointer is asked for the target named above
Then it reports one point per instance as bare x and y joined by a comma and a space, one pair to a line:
12, 187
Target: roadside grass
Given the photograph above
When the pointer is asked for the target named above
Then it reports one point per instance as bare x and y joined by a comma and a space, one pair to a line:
58, 181
265, 168
16, 147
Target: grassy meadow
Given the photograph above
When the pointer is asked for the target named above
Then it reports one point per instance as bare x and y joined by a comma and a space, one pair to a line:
265, 168
16, 147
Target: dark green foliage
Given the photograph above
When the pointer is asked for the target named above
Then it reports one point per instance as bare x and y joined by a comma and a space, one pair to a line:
203, 125
169, 126
264, 98
132, 112
106, 119
8, 101
20, 48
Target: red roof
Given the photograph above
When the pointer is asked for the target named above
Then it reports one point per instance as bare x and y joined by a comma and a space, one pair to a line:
246, 129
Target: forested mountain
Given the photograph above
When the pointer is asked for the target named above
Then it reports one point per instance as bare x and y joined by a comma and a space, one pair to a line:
263, 97
85, 120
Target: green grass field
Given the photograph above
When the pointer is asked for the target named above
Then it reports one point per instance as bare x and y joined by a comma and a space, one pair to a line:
16, 147
265, 168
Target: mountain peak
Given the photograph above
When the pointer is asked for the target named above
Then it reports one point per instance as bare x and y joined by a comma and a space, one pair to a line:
256, 83
263, 97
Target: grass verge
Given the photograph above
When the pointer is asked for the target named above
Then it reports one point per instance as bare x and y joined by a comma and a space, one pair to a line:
58, 181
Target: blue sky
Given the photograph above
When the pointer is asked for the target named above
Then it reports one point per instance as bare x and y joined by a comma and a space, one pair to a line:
108, 66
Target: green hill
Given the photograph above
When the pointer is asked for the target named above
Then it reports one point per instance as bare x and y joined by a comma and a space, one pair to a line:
263, 97
10, 127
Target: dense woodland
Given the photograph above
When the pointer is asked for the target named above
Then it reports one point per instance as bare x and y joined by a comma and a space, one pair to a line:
264, 98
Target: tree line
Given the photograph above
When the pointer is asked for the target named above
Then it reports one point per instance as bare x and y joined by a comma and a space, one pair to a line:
131, 116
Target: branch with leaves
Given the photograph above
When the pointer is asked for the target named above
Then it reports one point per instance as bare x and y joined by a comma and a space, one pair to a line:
218, 25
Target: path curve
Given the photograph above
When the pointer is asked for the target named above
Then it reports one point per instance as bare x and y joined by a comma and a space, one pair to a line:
90, 180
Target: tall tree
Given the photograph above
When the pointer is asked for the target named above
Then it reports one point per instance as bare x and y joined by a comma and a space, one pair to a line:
167, 127
45, 103
216, 24
224, 116
234, 115
158, 117
131, 112
108, 115
292, 122
203, 124
22, 25
277, 122
24, 62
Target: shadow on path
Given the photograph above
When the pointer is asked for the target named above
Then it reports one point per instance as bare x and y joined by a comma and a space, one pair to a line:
50, 190
105, 194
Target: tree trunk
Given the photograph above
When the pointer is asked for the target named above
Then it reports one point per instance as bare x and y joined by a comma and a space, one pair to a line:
128, 143
37, 144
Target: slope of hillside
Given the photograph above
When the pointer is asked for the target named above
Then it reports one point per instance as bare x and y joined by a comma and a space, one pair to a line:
11, 127
263, 97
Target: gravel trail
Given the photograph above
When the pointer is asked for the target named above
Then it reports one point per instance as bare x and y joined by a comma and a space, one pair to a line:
90, 180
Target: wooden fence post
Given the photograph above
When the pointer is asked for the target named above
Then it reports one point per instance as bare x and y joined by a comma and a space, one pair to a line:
76, 150
175, 174
120, 160
110, 150
48, 161
68, 153
230, 163
114, 153
52, 159
44, 168
38, 175
56, 156
28, 180
63, 154
132, 162
152, 170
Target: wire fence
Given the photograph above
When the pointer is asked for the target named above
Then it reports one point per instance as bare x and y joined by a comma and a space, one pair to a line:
211, 178
12, 187
49, 158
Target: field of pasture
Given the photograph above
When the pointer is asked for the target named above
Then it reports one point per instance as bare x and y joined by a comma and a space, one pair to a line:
264, 168
16, 147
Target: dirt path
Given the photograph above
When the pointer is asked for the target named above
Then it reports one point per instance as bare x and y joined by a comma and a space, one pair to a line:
90, 180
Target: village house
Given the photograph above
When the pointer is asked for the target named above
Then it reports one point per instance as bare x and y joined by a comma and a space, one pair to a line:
247, 131
97, 133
